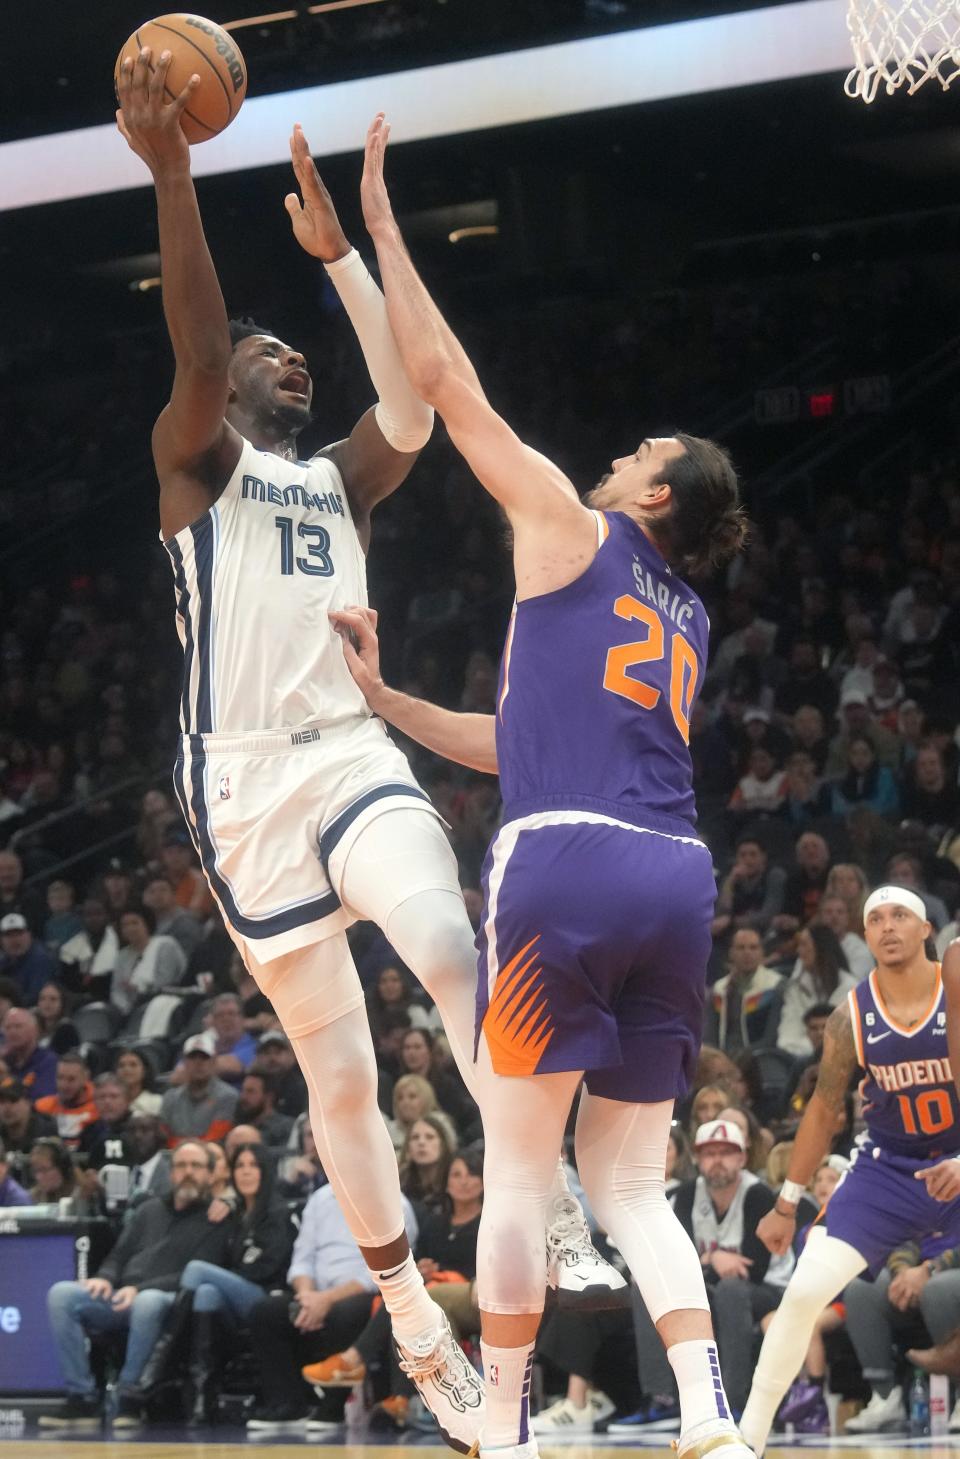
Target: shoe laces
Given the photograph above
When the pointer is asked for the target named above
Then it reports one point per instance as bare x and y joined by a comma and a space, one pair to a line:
568, 1225
443, 1354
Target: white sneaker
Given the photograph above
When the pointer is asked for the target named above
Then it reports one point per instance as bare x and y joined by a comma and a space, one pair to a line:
451, 1389
879, 1414
601, 1406
721, 1440
529, 1450
953, 1426
564, 1417
575, 1269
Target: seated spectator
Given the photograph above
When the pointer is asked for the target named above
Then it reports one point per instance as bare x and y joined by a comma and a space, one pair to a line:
856, 722
910, 728
848, 880
105, 1141
241, 1135
392, 1028
417, 1057
202, 1108
392, 991
150, 1159
413, 1098
802, 1082
708, 1101
87, 959
24, 961
234, 1047
179, 862
720, 1211
275, 1055
865, 782
63, 920
834, 913
762, 790
11, 1192
907, 871
52, 1172
56, 1030
751, 894
807, 682
743, 1007
333, 1294
758, 1141
134, 1290
20, 1125
116, 888
679, 1163
807, 797
257, 1106
133, 1068
805, 883
255, 1263
300, 1170
146, 962
820, 975
887, 694
158, 815
15, 897
809, 734
171, 919
33, 1066
928, 796
72, 1107
425, 1163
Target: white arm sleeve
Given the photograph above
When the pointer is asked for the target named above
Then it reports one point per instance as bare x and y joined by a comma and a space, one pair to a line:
405, 420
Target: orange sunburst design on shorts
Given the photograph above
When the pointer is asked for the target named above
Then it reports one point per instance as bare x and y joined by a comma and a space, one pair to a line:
517, 1023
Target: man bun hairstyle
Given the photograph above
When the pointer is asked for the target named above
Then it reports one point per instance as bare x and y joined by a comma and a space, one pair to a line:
245, 329
706, 525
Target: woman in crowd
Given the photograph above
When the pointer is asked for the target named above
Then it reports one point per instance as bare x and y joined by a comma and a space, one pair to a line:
866, 782
56, 1030
417, 1057
708, 1101
136, 1073
391, 990
759, 1140
820, 975
848, 880
425, 1163
51, 1167
446, 1254
258, 1260
413, 1097
147, 962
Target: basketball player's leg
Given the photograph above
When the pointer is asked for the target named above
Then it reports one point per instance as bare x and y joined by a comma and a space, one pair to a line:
621, 1157
400, 872
825, 1267
317, 997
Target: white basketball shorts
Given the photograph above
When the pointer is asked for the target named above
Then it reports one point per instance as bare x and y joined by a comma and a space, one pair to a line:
265, 811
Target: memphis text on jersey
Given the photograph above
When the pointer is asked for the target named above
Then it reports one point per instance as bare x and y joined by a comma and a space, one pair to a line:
255, 490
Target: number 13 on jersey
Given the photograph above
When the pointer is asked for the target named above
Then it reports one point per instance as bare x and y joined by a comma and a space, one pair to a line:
651, 650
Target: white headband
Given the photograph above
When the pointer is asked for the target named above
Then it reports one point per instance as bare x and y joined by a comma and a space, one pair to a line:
895, 897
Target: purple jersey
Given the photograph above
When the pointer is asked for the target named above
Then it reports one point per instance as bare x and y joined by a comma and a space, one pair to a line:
596, 686
909, 1098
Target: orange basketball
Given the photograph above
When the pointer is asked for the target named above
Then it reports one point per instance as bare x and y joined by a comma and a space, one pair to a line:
197, 47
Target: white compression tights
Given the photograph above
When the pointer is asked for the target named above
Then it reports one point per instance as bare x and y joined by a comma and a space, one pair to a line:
825, 1267
318, 999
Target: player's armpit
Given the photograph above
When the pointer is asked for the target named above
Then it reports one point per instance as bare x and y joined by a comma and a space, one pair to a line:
194, 454
839, 1062
371, 468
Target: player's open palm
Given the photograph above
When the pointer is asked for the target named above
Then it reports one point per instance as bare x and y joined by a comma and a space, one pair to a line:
776, 1231
316, 226
357, 628
374, 198
148, 122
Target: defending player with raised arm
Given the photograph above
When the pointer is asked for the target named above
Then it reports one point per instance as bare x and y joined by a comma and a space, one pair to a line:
598, 893
904, 1179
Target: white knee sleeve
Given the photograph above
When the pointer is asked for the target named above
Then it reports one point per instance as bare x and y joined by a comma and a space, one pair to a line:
825, 1267
312, 986
621, 1155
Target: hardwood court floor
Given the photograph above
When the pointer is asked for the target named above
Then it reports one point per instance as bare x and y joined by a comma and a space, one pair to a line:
26, 1443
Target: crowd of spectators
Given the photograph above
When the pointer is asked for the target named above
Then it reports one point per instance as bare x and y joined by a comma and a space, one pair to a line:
142, 1073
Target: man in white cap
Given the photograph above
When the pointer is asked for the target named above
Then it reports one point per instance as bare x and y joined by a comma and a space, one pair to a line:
904, 1180
202, 1108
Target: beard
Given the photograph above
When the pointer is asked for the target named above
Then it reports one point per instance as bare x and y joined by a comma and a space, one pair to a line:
591, 497
292, 417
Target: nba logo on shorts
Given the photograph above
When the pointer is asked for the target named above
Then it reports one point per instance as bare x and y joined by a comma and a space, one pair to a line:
224, 787
493, 1375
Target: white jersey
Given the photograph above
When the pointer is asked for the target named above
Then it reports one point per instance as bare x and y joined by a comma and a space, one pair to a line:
255, 578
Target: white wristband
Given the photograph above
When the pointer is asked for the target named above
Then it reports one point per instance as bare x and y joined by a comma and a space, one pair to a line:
792, 1192
404, 419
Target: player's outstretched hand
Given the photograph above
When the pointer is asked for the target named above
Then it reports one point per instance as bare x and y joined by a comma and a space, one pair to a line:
942, 1180
357, 628
374, 198
316, 226
777, 1231
149, 124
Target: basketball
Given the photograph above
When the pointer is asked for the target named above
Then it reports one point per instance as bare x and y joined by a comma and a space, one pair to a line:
198, 47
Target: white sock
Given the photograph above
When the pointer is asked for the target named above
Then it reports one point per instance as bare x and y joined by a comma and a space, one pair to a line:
696, 1368
407, 1300
507, 1373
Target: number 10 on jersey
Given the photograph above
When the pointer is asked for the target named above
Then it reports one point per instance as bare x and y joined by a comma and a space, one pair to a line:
317, 563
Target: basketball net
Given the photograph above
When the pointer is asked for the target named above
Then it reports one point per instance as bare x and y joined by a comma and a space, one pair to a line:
902, 43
